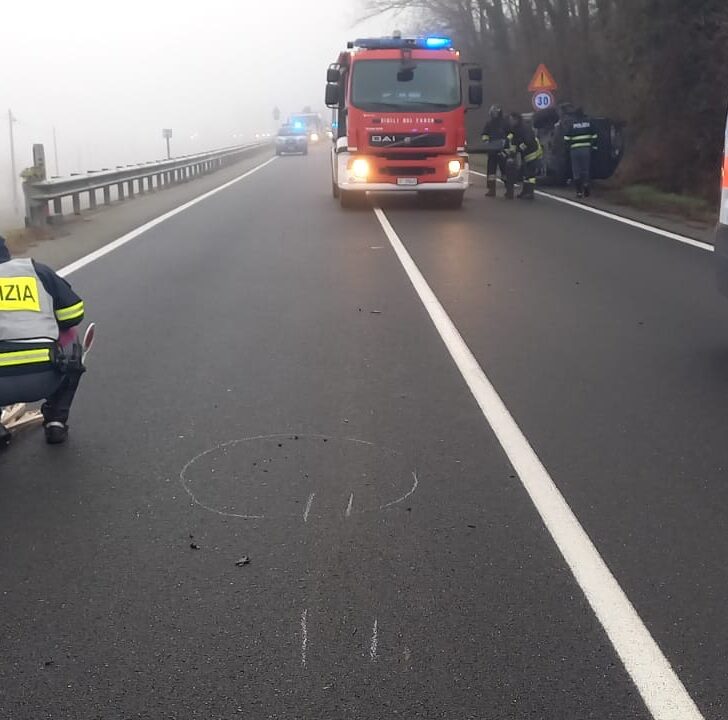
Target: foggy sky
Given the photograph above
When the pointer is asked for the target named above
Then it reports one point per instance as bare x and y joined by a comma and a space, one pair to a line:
110, 76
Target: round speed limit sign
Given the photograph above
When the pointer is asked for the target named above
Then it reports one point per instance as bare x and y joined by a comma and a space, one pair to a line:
542, 100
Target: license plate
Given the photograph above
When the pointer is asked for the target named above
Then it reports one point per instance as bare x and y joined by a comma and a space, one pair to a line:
406, 181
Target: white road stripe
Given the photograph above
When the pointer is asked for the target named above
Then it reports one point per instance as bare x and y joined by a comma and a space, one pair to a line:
124, 239
624, 220
661, 689
308, 507
348, 507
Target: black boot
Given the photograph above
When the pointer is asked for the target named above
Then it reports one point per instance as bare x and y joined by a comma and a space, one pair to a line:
526, 192
509, 192
491, 189
56, 432
579, 189
587, 190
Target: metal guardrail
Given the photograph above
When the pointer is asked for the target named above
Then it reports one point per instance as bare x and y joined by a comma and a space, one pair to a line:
39, 192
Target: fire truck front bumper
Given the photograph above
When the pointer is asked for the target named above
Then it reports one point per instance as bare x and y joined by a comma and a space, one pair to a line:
375, 176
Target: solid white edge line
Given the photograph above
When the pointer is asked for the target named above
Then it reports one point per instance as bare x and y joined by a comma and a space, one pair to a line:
128, 237
661, 689
624, 220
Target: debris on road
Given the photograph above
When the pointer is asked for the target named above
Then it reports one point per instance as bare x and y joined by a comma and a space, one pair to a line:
194, 546
245, 560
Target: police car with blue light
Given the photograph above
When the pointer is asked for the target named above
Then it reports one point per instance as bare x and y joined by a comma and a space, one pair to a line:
292, 140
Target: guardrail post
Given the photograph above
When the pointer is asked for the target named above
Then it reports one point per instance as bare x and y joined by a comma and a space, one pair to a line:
130, 188
107, 195
76, 199
58, 206
120, 190
140, 184
92, 199
150, 183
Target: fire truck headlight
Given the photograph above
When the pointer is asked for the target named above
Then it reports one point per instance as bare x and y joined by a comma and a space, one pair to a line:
314, 137
454, 167
360, 169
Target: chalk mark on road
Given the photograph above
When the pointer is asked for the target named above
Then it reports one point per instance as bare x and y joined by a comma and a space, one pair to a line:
308, 506
375, 641
304, 637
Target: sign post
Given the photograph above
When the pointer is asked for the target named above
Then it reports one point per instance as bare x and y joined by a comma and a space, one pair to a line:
542, 86
167, 135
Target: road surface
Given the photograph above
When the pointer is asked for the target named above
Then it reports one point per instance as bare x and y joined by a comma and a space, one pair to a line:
272, 381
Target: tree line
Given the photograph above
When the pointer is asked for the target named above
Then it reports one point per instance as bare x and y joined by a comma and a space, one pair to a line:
661, 66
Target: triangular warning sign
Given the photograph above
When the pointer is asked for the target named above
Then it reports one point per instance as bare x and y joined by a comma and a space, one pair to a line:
542, 80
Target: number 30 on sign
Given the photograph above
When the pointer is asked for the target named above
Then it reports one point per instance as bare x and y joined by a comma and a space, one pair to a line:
542, 100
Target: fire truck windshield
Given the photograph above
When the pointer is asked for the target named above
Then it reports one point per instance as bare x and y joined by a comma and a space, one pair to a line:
424, 85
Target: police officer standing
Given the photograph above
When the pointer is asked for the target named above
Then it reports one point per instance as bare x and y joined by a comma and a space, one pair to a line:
37, 307
494, 133
580, 138
523, 142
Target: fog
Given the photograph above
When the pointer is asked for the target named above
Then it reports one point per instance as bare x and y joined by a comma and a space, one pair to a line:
109, 77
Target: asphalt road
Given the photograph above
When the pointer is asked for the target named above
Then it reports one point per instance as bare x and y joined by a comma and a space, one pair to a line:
267, 383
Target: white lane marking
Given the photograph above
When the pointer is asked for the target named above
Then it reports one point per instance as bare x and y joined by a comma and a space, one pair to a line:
124, 239
624, 220
375, 641
304, 637
348, 507
415, 484
660, 688
308, 507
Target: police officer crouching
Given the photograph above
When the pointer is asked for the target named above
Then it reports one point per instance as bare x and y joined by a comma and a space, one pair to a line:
37, 308
523, 141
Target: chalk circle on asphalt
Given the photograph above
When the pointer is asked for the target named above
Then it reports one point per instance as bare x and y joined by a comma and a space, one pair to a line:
288, 475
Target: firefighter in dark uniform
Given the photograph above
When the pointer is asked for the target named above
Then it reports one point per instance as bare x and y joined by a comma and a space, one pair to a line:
523, 141
495, 132
581, 139
37, 308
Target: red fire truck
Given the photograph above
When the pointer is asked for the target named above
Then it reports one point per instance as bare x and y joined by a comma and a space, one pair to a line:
399, 118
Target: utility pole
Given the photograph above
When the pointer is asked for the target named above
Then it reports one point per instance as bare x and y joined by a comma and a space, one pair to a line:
13, 170
55, 150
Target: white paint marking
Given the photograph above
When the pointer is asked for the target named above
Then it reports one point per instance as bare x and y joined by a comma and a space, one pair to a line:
124, 239
348, 507
308, 507
624, 220
375, 641
304, 637
415, 484
660, 688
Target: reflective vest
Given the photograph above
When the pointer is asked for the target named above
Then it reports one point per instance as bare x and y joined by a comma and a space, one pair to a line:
26, 307
580, 135
724, 188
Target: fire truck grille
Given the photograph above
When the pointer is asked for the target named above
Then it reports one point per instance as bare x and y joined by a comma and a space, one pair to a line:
405, 171
384, 140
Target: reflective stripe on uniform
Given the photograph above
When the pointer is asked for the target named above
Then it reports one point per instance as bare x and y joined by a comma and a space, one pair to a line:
25, 357
535, 155
70, 313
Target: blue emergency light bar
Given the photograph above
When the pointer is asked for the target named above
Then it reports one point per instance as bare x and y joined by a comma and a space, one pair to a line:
400, 43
